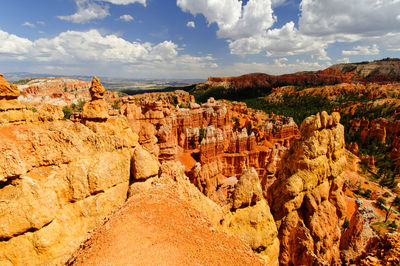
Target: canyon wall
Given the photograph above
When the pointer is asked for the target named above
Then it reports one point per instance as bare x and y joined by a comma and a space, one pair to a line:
380, 72
252, 175
58, 179
224, 138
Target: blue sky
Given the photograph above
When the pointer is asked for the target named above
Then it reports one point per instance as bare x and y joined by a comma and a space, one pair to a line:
193, 38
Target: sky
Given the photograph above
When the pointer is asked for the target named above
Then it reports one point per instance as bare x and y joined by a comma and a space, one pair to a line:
193, 38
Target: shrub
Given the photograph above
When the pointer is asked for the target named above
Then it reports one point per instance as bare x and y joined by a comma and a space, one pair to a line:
396, 201
34, 109
67, 112
380, 202
201, 133
116, 104
367, 194
393, 225
386, 194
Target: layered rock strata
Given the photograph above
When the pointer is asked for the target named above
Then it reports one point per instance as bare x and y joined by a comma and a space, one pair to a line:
12, 110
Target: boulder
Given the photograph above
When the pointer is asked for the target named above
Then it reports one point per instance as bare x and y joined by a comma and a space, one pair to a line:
95, 110
144, 165
250, 218
248, 190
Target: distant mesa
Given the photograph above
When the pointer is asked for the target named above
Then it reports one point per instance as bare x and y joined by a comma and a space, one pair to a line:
382, 71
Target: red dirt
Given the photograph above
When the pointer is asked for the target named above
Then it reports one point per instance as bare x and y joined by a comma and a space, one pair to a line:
159, 228
185, 157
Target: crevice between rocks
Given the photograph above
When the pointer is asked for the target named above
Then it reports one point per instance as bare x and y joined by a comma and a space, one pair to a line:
29, 230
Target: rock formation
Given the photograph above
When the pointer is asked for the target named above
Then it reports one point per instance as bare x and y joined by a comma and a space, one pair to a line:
252, 175
12, 110
383, 72
97, 108
58, 91
250, 218
60, 183
358, 233
382, 250
216, 132
307, 199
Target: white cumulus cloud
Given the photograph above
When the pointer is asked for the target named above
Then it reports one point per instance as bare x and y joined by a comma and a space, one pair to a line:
234, 20
190, 24
93, 9
355, 19
92, 51
87, 11
11, 44
126, 18
249, 28
284, 41
362, 50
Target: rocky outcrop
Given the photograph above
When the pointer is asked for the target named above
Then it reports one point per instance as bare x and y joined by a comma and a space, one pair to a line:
7, 90
382, 250
380, 130
358, 233
381, 71
250, 218
97, 108
248, 190
12, 110
217, 134
307, 199
144, 165
60, 183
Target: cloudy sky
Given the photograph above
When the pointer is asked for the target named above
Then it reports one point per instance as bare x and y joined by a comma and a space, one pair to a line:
193, 38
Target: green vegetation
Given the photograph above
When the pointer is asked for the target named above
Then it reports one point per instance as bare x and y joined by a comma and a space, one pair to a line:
115, 105
201, 95
121, 94
386, 194
34, 109
396, 201
202, 133
362, 192
393, 226
380, 202
23, 81
297, 107
69, 110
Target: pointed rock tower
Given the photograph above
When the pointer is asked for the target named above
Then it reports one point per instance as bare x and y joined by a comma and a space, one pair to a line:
97, 108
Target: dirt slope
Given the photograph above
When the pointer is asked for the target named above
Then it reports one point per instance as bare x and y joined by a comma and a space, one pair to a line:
159, 228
